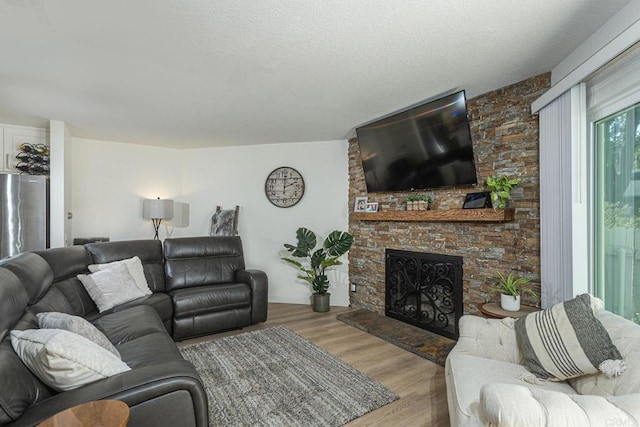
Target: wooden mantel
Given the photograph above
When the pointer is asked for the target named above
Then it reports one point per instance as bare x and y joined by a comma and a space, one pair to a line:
444, 215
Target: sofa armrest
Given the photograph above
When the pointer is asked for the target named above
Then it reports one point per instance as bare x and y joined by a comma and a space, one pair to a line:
489, 338
519, 405
143, 389
259, 284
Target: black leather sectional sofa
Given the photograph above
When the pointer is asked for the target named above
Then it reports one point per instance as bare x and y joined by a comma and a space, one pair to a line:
200, 286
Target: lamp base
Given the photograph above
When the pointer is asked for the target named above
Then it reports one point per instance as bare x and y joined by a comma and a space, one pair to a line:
156, 225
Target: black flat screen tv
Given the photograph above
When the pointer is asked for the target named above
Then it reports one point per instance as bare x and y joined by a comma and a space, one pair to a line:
424, 147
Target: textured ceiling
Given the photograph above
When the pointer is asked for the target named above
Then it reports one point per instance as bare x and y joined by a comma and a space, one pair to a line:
203, 73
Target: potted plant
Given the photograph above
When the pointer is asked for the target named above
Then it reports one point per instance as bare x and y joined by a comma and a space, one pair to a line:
418, 202
313, 262
510, 289
500, 188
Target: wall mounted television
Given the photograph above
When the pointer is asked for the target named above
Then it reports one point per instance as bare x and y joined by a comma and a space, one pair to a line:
427, 146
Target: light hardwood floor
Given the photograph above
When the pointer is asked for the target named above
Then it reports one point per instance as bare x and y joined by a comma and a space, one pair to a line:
418, 382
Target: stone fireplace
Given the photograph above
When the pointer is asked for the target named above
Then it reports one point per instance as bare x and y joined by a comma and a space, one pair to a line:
424, 289
505, 142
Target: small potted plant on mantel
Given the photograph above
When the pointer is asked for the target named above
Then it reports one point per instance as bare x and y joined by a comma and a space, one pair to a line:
418, 202
510, 289
500, 188
313, 262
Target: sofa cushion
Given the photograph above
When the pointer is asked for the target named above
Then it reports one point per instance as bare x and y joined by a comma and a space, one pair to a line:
211, 323
67, 261
625, 334
490, 338
159, 301
208, 299
151, 349
466, 374
110, 287
515, 405
139, 335
20, 387
33, 271
201, 261
13, 301
66, 295
567, 341
64, 360
149, 252
77, 325
55, 300
126, 325
134, 265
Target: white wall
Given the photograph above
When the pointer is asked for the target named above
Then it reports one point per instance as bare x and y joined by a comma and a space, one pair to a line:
111, 179
60, 184
232, 176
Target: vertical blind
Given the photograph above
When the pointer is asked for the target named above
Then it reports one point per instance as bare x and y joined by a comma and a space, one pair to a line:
556, 255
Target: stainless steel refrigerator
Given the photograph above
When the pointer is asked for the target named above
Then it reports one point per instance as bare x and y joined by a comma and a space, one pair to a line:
24, 224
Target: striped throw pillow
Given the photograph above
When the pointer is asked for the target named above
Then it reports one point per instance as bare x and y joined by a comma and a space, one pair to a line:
567, 341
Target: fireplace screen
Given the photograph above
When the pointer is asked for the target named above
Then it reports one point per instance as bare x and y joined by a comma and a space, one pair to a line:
424, 290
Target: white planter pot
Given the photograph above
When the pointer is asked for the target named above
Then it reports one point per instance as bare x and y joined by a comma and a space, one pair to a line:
509, 303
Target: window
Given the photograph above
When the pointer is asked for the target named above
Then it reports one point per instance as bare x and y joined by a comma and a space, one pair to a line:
590, 189
617, 212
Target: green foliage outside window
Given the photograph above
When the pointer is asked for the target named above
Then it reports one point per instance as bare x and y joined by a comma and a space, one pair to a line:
617, 214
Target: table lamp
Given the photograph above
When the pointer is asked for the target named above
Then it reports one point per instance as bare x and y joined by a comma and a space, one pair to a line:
156, 210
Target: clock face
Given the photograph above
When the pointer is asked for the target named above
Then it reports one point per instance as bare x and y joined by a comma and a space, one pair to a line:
284, 187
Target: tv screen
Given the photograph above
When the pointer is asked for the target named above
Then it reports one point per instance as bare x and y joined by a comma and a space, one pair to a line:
428, 146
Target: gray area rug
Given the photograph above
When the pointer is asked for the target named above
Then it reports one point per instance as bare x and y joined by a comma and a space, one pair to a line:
274, 377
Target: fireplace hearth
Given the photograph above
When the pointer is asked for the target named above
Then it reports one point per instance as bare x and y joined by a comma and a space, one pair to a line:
424, 290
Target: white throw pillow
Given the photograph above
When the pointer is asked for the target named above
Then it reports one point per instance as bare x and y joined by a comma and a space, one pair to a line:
566, 341
64, 360
110, 287
77, 325
134, 265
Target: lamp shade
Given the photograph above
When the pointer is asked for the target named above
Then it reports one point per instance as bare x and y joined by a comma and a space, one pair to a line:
157, 208
180, 215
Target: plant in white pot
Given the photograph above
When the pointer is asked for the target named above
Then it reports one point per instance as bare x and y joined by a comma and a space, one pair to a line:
510, 289
313, 262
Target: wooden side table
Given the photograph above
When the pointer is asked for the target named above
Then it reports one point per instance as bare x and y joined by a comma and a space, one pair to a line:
493, 310
99, 413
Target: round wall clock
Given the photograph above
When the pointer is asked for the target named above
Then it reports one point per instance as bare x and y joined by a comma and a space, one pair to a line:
284, 187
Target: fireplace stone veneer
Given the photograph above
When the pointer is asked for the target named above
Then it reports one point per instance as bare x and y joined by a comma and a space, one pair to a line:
424, 290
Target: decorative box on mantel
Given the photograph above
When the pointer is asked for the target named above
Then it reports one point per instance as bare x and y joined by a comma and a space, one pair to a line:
442, 215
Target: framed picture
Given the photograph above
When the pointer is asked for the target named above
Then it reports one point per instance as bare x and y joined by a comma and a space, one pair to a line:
477, 200
372, 207
361, 204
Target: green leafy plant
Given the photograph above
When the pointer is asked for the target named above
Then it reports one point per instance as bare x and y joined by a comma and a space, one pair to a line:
418, 198
511, 285
621, 215
313, 262
500, 188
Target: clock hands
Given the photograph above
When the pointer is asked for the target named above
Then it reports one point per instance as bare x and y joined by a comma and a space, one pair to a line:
295, 181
